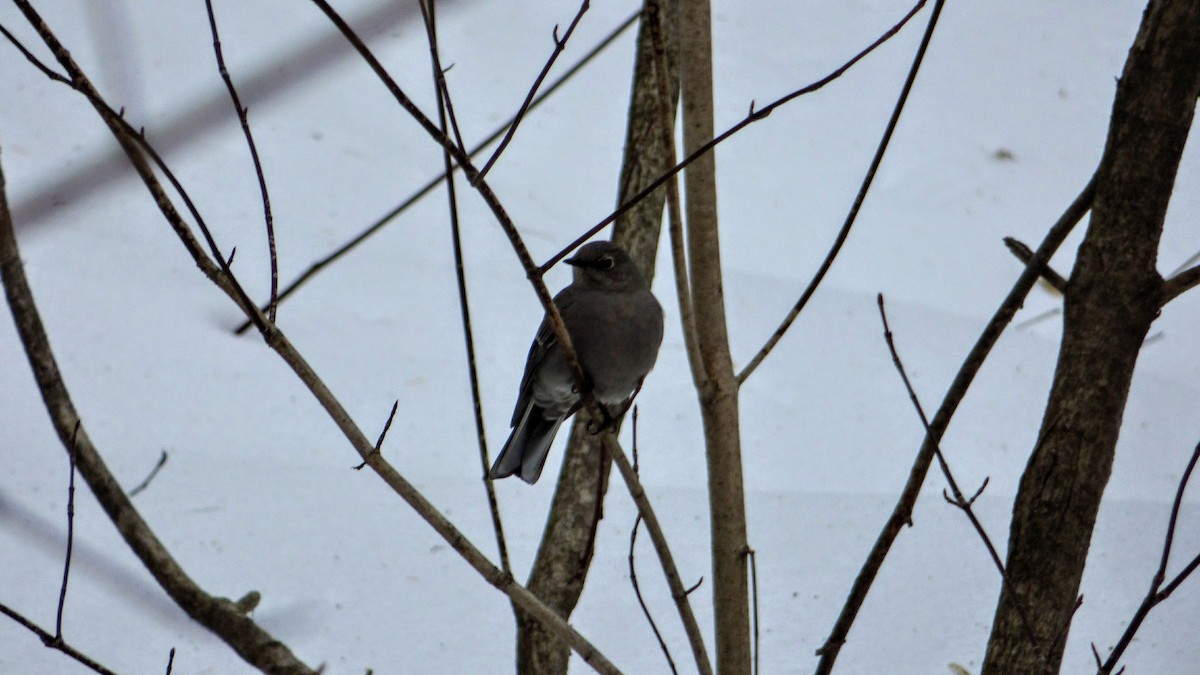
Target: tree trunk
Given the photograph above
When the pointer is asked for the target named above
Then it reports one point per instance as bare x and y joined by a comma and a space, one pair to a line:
565, 553
719, 389
1112, 298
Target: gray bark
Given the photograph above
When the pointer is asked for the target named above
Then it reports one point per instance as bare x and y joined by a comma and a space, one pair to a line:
220, 615
719, 390
565, 553
1113, 296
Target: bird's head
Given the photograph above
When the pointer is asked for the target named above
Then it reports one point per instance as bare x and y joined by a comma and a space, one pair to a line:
603, 264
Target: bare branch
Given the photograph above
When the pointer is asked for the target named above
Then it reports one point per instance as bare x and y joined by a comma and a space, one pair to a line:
1024, 254
445, 115
902, 513
137, 149
46, 70
1154, 596
242, 113
432, 183
441, 88
54, 642
485, 191
1061, 633
752, 559
162, 460
633, 568
868, 179
559, 45
382, 435
959, 501
678, 592
387, 425
62, 591
1113, 300
236, 629
754, 116
683, 288
637, 591
1180, 284
250, 641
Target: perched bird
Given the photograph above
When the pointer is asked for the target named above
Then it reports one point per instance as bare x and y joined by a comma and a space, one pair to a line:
616, 326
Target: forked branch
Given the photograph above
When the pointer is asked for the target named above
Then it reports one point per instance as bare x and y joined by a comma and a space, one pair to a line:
753, 116
446, 120
242, 114
959, 500
317, 266
868, 179
559, 45
678, 592
219, 615
279, 343
1157, 592
902, 512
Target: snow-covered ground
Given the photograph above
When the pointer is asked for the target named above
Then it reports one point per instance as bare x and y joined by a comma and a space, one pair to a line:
1005, 124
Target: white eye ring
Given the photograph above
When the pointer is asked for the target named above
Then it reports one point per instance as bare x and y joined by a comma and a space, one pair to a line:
606, 263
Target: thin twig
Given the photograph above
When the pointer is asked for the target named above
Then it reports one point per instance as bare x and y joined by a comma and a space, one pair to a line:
852, 216
162, 460
565, 345
133, 142
1061, 633
62, 591
1024, 254
382, 435
243, 117
170, 661
1179, 579
634, 432
665, 557
432, 183
441, 88
237, 630
504, 582
387, 425
637, 590
559, 45
753, 116
683, 288
959, 501
753, 560
1155, 595
902, 512
29, 56
460, 276
1180, 283
54, 642
250, 641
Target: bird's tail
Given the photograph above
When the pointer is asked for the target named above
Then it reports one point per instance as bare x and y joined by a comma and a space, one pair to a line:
525, 451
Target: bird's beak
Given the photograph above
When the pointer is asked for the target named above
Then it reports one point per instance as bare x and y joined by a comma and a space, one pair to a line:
574, 261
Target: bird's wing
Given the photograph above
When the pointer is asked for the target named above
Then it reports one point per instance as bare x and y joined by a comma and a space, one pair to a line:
543, 343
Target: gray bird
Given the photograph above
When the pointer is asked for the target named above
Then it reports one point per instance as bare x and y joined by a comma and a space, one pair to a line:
616, 326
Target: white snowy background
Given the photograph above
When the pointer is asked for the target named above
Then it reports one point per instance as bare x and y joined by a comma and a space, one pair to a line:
1005, 125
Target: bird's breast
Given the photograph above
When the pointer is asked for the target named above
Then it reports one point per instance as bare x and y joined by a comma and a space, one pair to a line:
617, 341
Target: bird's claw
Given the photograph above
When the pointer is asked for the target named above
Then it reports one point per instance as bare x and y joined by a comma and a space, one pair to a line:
605, 423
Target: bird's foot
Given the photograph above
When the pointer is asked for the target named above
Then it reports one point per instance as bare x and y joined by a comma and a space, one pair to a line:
606, 422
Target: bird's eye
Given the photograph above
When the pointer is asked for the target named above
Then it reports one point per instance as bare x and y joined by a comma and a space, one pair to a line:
605, 263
